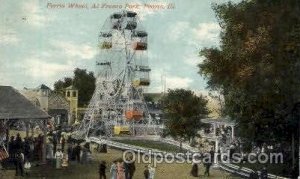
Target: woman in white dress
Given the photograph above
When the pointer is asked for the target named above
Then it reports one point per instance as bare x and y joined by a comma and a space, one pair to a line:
65, 161
151, 172
113, 170
27, 167
58, 156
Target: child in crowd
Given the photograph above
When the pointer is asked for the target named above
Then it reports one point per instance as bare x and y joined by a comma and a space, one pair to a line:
27, 167
102, 168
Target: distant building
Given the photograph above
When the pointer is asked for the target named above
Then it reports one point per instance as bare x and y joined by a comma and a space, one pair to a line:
62, 108
153, 101
14, 108
59, 108
71, 94
80, 113
154, 105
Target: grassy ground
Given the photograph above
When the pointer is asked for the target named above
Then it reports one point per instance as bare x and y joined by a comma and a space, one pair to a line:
89, 171
163, 171
277, 169
280, 169
151, 144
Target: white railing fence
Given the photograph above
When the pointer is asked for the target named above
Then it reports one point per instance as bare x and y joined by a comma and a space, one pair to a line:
234, 169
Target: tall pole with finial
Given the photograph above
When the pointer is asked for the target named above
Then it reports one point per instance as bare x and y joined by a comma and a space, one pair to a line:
299, 149
163, 82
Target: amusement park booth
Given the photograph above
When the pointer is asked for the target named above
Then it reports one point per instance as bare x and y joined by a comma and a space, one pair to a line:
18, 112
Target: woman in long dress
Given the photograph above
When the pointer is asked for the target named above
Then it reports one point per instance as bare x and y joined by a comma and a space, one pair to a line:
113, 170
65, 161
151, 172
84, 155
49, 151
27, 167
58, 156
194, 171
120, 170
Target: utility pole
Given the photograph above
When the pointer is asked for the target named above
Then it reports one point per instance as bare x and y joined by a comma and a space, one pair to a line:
299, 149
163, 82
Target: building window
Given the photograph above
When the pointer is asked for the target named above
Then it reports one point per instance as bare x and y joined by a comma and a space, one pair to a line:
45, 93
68, 94
74, 93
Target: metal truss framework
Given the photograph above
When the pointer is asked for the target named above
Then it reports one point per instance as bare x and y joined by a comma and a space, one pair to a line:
122, 75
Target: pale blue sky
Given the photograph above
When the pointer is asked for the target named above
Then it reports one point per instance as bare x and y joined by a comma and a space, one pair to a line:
41, 45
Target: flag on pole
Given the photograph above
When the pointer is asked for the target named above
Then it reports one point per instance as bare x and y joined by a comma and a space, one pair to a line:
3, 154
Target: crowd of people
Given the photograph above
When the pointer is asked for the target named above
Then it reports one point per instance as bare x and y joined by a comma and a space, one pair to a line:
30, 147
124, 170
60, 151
23, 151
206, 163
119, 169
55, 149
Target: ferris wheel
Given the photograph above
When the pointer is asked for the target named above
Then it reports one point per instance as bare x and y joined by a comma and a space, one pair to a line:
122, 74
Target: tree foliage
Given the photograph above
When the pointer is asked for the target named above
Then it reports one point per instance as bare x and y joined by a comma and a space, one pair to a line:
83, 81
257, 66
60, 85
183, 111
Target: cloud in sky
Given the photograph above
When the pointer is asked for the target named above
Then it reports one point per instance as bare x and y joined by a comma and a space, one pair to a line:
8, 37
159, 77
75, 50
193, 59
208, 31
173, 82
49, 66
196, 37
144, 13
52, 42
41, 69
34, 14
177, 30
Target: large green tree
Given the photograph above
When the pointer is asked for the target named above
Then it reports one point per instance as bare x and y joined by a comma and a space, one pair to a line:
62, 84
257, 67
82, 80
183, 111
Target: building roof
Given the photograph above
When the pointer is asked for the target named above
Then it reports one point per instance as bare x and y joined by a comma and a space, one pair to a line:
155, 96
31, 95
13, 105
71, 88
57, 101
222, 121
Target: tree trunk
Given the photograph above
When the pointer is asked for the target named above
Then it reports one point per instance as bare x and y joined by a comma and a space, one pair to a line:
180, 145
293, 150
27, 129
7, 138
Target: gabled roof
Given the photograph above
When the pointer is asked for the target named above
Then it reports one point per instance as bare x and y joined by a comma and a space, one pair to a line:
13, 105
57, 101
31, 95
